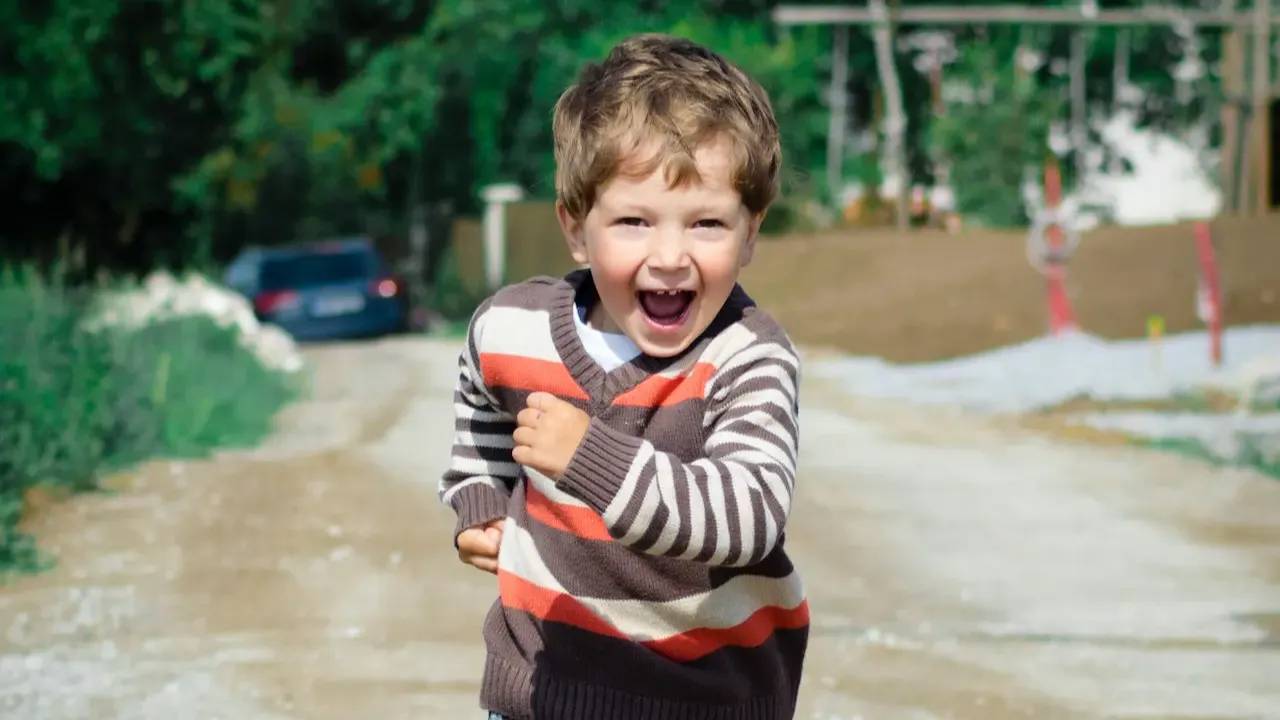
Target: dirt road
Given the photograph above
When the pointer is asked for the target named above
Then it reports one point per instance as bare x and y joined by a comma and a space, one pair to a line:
957, 567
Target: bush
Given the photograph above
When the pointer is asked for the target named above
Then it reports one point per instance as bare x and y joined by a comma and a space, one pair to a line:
75, 403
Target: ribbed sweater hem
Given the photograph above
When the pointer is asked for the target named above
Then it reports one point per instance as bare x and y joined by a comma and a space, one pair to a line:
519, 693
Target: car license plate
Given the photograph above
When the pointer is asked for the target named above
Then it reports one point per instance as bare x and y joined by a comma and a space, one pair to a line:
337, 305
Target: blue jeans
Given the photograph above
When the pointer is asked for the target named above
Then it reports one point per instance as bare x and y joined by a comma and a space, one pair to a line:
495, 716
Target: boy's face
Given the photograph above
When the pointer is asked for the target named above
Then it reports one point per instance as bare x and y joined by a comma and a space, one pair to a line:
665, 259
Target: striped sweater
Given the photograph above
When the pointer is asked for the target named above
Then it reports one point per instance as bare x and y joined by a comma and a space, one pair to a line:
650, 581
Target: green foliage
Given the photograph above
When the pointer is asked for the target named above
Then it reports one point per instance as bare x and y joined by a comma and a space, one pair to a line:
170, 131
75, 402
993, 141
174, 133
1251, 455
449, 297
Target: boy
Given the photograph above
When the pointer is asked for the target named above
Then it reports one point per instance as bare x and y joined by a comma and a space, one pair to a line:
627, 435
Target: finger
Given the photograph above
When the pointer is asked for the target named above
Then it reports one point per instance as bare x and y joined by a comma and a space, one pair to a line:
495, 536
529, 417
522, 454
476, 541
524, 436
489, 565
542, 401
500, 524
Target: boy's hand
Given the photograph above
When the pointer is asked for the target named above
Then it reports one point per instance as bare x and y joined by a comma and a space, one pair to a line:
478, 546
549, 434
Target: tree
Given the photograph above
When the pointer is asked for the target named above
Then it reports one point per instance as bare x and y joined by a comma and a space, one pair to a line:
995, 137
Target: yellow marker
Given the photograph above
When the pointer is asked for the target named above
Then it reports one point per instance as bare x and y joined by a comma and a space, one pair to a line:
1155, 327
1155, 331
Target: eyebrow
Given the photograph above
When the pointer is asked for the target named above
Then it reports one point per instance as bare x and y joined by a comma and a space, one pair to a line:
624, 209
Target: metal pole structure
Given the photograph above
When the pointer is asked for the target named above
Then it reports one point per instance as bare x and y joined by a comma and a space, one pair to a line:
1011, 15
1079, 103
1120, 75
1231, 69
838, 100
1262, 106
895, 114
1119, 82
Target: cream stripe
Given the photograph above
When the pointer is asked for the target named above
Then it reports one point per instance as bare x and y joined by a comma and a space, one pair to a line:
526, 333
732, 341
759, 450
757, 353
697, 517
717, 511
762, 420
494, 483
620, 501
769, 396
742, 482
779, 486
466, 412
648, 505
480, 466
665, 482
770, 371
547, 487
518, 555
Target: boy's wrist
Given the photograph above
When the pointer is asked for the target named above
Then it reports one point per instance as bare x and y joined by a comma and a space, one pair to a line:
476, 505
599, 465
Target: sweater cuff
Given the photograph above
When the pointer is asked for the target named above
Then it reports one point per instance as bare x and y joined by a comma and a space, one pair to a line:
599, 465
477, 504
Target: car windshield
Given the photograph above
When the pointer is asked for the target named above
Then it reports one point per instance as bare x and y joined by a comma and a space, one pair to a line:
316, 269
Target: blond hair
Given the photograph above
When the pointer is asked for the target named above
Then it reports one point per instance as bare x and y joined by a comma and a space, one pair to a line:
672, 92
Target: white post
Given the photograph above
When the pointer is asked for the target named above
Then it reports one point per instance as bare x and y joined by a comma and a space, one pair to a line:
895, 115
496, 198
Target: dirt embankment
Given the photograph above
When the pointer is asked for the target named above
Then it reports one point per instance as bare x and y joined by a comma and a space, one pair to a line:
930, 295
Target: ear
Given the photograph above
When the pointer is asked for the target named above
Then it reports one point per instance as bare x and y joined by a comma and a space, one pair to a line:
749, 245
574, 234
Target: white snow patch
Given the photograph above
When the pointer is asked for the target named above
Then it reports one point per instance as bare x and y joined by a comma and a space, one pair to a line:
1048, 371
163, 296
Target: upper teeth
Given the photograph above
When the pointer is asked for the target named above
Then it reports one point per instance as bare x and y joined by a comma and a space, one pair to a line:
668, 292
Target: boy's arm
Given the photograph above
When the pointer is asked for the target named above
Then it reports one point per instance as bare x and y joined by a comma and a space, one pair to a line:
726, 509
481, 473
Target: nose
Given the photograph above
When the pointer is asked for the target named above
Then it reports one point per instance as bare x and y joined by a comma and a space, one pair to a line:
668, 251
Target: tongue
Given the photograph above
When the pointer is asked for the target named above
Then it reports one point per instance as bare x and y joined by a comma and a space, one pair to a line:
662, 306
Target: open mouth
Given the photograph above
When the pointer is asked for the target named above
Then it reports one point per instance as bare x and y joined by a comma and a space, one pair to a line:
666, 309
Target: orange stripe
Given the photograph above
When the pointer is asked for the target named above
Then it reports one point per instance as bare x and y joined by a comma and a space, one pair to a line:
552, 606
659, 391
753, 631
545, 604
524, 373
580, 521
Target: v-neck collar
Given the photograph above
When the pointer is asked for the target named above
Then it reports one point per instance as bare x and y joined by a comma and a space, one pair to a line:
604, 386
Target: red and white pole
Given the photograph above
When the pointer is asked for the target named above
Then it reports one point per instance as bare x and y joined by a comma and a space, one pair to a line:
1062, 318
1210, 294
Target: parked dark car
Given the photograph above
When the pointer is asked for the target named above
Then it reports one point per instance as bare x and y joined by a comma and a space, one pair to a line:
335, 289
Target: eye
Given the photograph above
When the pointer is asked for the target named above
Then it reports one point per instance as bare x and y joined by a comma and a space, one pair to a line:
708, 223
631, 221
